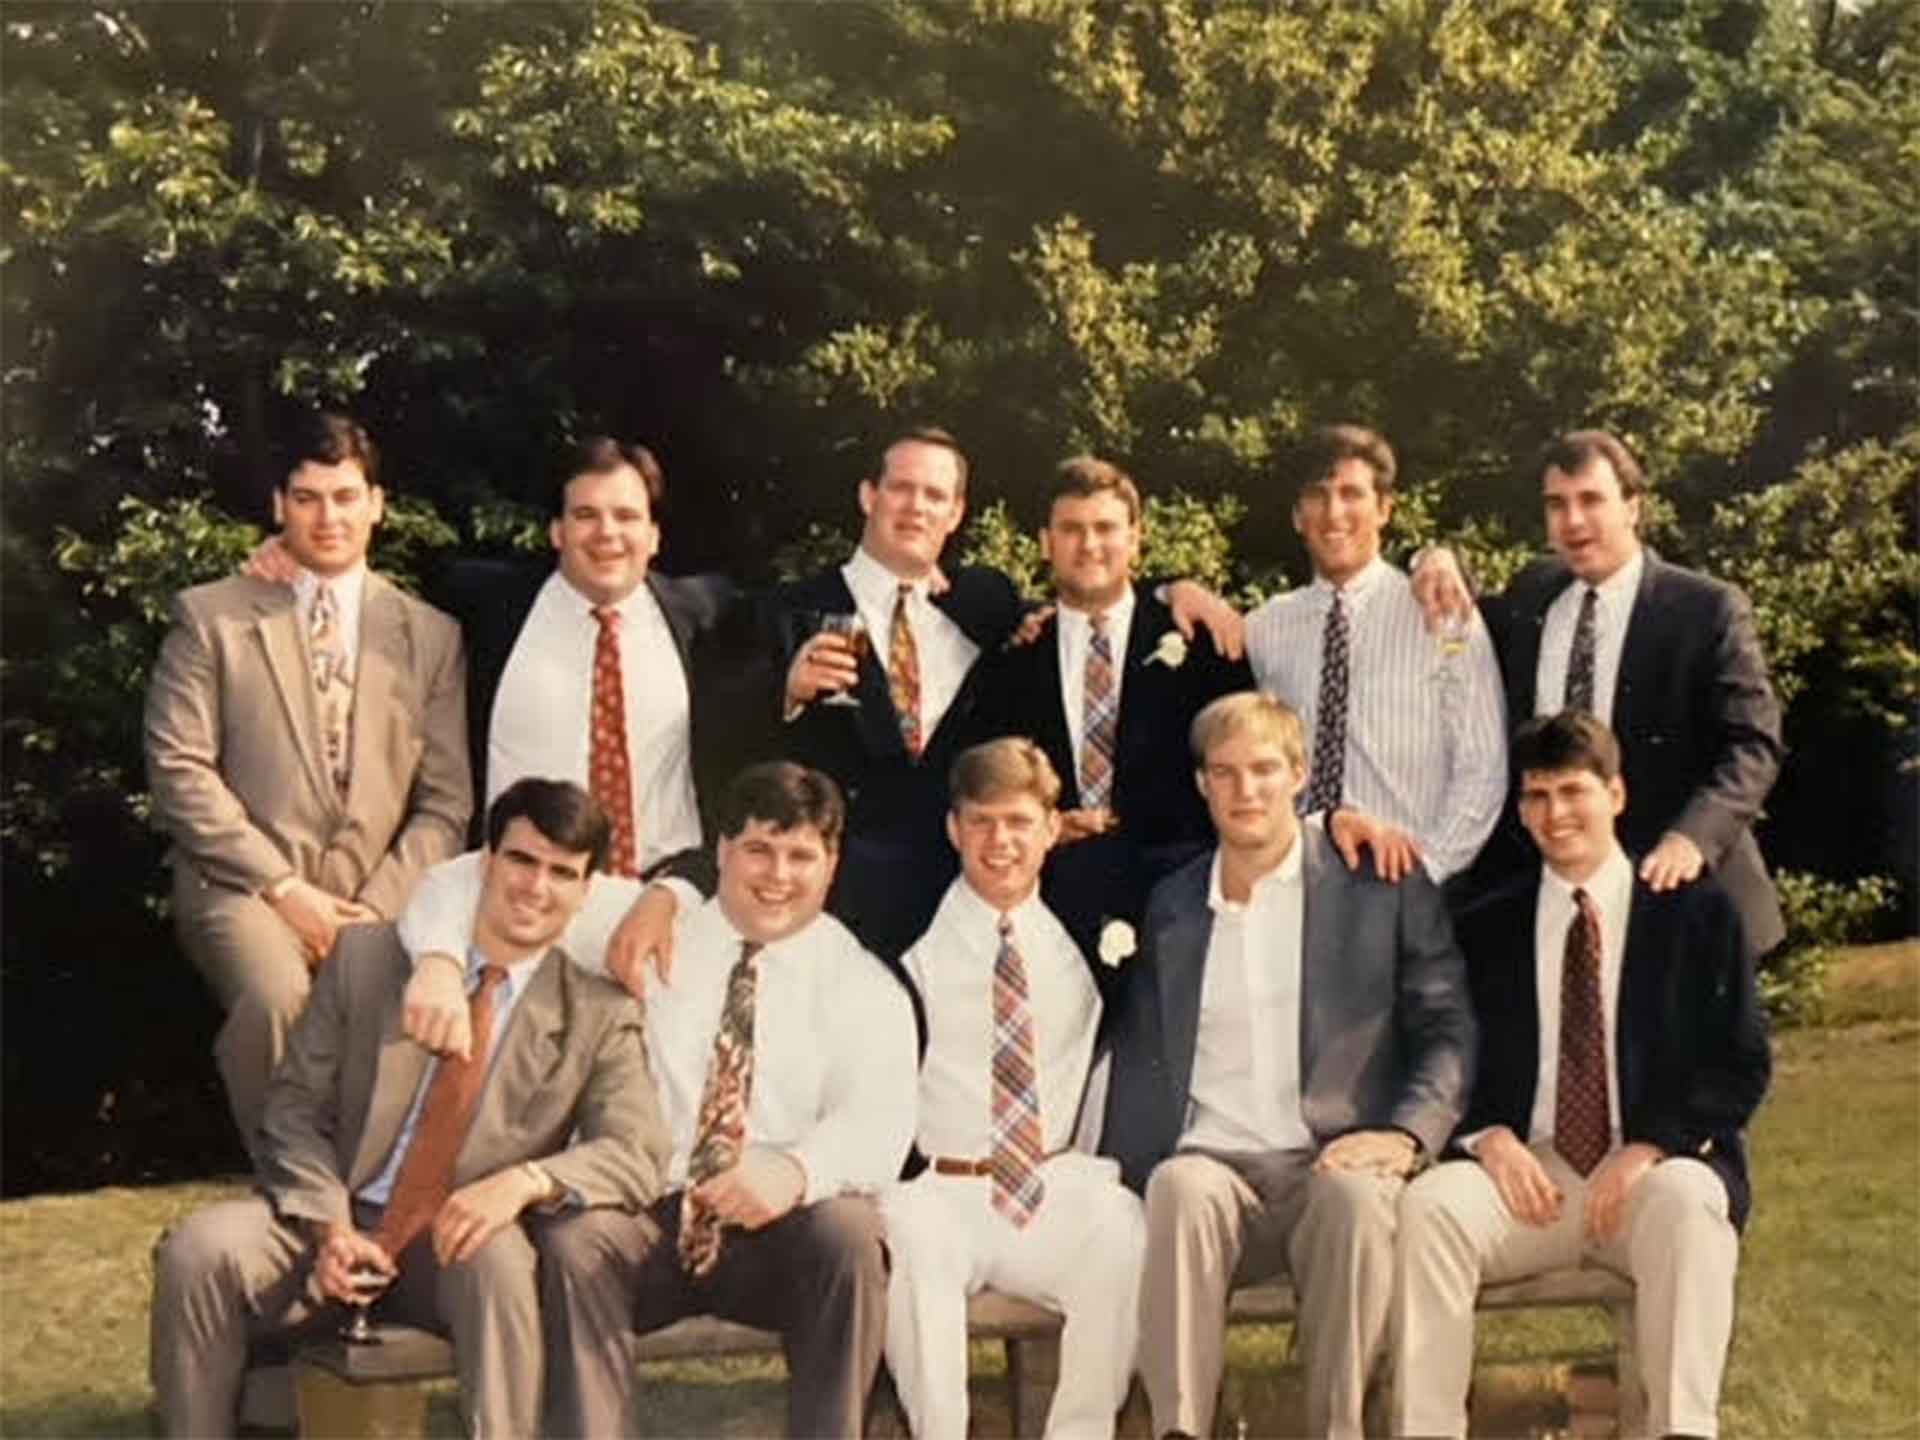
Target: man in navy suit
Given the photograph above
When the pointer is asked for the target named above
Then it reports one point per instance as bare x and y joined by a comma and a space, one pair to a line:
1667, 657
1623, 1049
1293, 1038
1108, 689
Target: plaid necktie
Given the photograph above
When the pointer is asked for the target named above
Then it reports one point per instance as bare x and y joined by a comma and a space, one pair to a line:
425, 1178
1582, 1130
332, 684
1579, 691
1101, 712
1016, 1154
903, 675
721, 1132
1330, 724
608, 776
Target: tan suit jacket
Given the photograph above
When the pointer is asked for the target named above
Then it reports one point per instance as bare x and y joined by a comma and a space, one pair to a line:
568, 1087
234, 752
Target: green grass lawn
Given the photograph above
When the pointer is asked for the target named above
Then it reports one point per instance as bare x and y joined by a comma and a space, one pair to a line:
1827, 1342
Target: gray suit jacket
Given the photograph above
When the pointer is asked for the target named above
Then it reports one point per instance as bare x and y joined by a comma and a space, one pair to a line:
568, 1088
1387, 1034
234, 751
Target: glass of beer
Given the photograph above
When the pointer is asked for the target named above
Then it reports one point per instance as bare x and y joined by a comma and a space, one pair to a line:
853, 629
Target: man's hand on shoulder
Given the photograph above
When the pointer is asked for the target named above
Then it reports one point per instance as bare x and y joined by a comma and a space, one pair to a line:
434, 1011
1032, 622
765, 1185
1674, 862
1086, 822
645, 933
271, 562
1395, 852
1441, 588
1193, 604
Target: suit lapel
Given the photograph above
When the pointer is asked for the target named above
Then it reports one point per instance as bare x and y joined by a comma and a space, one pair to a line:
1638, 1004
396, 1079
278, 624
528, 1053
1638, 645
679, 623
1528, 625
1139, 685
1181, 954
1320, 946
383, 660
1054, 733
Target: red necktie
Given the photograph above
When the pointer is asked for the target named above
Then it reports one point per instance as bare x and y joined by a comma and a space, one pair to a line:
608, 777
903, 676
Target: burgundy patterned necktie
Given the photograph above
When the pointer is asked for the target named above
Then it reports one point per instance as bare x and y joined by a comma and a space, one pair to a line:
1579, 690
425, 1178
1015, 1157
1330, 723
1582, 1129
903, 675
720, 1134
609, 778
1101, 715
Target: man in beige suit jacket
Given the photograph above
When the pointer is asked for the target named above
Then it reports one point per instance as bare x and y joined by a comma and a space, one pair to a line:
567, 1118
306, 748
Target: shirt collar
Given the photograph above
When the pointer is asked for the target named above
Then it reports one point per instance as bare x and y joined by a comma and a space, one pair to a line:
1285, 875
518, 973
978, 918
581, 605
347, 588
1119, 616
1609, 887
872, 582
1621, 585
1356, 590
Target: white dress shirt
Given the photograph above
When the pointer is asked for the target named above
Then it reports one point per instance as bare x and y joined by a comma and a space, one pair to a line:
944, 651
833, 1050
1075, 631
1426, 730
379, 1190
1612, 610
1611, 890
1245, 1090
952, 968
541, 721
348, 588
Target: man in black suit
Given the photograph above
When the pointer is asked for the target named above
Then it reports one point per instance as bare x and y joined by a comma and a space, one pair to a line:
1291, 1040
1108, 688
1623, 1049
1667, 657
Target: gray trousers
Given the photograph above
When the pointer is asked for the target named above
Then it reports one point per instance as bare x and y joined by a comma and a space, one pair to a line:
233, 1274
1216, 1220
818, 1275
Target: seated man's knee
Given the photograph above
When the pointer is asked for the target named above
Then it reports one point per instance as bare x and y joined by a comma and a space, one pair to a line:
1187, 1184
586, 1241
844, 1237
1681, 1195
1356, 1201
506, 1262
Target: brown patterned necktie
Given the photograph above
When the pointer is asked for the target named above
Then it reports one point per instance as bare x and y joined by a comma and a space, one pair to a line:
1100, 713
332, 684
608, 776
426, 1170
721, 1132
1329, 764
1582, 1129
903, 675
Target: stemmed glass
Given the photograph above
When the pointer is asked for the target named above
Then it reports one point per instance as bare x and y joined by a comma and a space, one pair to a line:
850, 627
368, 1285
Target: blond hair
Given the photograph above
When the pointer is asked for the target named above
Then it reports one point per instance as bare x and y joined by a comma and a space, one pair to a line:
1011, 765
1249, 710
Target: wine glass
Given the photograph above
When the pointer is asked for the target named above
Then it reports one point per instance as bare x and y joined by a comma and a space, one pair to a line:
849, 626
368, 1283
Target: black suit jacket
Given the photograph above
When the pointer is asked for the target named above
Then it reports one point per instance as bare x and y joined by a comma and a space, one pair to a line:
1697, 719
491, 599
1691, 1036
1162, 818
895, 862
1386, 1026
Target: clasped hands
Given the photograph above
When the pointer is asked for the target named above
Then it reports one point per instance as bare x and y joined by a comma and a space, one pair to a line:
1392, 1154
1530, 1194
315, 917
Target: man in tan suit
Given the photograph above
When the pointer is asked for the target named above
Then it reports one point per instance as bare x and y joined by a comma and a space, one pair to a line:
306, 748
565, 1118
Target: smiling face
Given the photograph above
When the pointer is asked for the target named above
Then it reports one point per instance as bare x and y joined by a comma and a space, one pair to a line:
913, 507
1570, 814
605, 535
1250, 784
1091, 541
326, 515
1340, 516
773, 882
1003, 841
530, 888
1591, 523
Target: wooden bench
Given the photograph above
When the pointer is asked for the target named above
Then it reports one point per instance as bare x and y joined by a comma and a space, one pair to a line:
377, 1390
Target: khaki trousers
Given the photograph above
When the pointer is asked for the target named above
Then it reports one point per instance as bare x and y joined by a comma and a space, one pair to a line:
1456, 1234
1219, 1220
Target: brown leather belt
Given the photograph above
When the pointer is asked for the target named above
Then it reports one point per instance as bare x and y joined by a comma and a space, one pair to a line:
949, 1165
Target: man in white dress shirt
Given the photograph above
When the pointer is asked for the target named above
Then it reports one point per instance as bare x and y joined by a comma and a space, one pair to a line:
1623, 1051
1406, 725
783, 1052
1011, 1015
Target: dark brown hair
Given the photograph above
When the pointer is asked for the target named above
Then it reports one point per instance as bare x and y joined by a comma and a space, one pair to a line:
560, 810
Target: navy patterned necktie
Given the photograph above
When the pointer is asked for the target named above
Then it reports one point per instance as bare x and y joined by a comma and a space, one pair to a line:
1330, 724
1579, 691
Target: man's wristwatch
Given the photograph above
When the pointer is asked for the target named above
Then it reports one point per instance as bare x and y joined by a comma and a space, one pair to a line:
275, 890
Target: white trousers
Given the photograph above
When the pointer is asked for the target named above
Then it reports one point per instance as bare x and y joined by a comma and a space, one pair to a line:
1677, 1244
1080, 1254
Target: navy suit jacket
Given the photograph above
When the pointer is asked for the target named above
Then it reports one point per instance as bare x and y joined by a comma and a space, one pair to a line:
1386, 1026
1162, 818
1691, 1035
1697, 719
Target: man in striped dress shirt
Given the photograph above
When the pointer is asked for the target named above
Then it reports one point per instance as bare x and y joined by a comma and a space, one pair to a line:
1406, 725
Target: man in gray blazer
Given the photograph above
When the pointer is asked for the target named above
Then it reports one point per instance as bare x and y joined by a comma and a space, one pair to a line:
306, 747
566, 1117
1292, 1040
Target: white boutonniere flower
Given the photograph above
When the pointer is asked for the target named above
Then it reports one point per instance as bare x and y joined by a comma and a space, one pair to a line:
1116, 942
1171, 651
